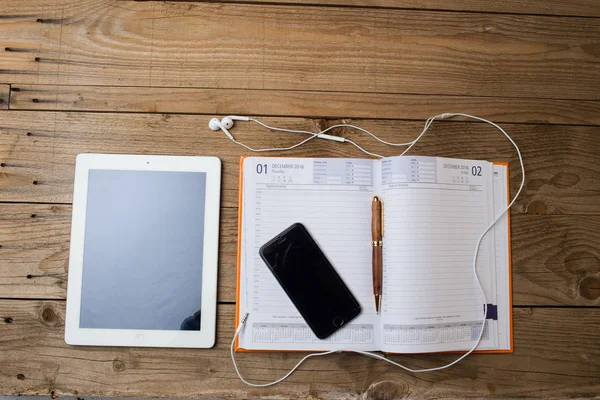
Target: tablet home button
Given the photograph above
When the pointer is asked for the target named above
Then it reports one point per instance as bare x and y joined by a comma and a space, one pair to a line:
338, 321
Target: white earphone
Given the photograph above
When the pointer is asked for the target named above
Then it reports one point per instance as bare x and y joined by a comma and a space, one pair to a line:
227, 123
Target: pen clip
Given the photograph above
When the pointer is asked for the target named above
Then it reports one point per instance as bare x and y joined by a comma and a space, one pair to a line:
381, 219
377, 200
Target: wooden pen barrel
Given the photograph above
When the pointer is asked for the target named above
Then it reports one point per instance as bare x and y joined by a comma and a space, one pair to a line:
376, 226
377, 260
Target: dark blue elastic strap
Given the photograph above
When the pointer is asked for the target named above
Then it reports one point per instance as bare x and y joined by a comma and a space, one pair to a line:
492, 312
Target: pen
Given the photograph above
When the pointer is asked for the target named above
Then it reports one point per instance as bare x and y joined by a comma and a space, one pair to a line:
377, 244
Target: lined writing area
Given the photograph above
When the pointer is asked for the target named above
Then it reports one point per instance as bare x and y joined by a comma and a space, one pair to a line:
335, 207
343, 236
430, 233
429, 255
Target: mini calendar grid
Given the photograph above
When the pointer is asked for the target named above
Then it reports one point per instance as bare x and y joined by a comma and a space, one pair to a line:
301, 333
433, 333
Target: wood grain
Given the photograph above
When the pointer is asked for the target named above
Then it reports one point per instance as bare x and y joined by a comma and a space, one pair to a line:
34, 250
4, 96
264, 46
38, 151
556, 259
144, 77
589, 8
322, 104
556, 355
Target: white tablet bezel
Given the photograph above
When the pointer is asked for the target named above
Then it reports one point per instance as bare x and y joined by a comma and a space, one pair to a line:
204, 338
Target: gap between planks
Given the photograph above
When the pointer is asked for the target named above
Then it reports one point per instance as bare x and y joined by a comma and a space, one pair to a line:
37, 163
388, 51
285, 103
559, 8
555, 355
515, 307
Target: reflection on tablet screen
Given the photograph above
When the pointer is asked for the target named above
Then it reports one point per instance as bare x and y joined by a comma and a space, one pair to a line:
142, 262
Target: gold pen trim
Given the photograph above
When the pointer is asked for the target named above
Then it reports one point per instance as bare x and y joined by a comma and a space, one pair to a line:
376, 243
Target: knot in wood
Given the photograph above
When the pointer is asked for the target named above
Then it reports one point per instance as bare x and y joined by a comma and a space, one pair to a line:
589, 288
118, 365
49, 316
537, 207
321, 124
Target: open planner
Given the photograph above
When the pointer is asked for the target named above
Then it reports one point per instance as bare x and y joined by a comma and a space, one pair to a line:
434, 211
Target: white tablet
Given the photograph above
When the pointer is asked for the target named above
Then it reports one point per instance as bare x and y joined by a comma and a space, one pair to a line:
144, 248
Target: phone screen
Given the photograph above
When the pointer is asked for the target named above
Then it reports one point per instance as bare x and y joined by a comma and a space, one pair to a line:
310, 281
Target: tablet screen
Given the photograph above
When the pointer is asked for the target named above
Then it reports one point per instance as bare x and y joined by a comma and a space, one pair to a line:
142, 261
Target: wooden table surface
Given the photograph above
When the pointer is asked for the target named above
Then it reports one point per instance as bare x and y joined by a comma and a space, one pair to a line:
122, 76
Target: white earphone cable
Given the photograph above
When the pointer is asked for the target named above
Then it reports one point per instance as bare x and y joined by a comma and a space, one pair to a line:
363, 150
276, 148
283, 129
475, 253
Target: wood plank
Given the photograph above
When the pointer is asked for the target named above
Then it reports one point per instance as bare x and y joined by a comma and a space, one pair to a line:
555, 258
589, 8
4, 96
264, 46
34, 251
299, 103
556, 355
38, 149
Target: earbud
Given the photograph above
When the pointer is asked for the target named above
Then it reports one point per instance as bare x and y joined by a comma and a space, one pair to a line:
215, 125
227, 122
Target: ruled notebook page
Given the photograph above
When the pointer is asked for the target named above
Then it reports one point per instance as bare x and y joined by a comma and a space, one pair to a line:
332, 198
435, 209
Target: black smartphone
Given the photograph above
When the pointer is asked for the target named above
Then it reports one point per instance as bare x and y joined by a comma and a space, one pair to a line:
310, 281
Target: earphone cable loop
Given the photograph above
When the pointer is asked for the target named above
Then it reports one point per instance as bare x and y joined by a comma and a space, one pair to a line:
215, 125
